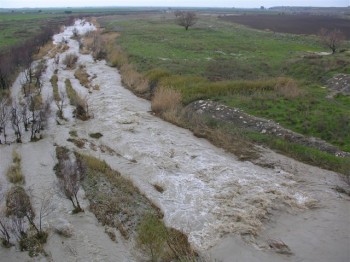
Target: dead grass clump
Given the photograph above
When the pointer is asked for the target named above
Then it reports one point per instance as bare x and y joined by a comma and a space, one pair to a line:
165, 99
81, 104
134, 80
80, 143
54, 81
82, 110
14, 173
116, 57
44, 50
287, 88
159, 188
94, 164
71, 93
82, 76
70, 60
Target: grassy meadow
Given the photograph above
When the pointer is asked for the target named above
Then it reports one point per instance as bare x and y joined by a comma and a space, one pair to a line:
241, 67
18, 27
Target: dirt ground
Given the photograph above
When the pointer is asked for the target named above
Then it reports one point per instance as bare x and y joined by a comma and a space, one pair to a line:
294, 24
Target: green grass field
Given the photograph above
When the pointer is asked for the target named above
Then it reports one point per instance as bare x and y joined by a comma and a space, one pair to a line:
159, 42
213, 59
18, 27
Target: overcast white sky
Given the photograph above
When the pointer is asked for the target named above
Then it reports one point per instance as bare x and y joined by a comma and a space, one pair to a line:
194, 3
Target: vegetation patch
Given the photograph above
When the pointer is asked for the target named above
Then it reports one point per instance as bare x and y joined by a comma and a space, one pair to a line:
80, 143
82, 76
54, 81
81, 106
114, 200
70, 60
14, 173
161, 243
96, 135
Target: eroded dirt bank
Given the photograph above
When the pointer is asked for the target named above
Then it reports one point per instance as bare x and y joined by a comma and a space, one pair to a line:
230, 208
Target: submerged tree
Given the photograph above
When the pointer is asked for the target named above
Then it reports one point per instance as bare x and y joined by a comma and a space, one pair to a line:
332, 38
70, 175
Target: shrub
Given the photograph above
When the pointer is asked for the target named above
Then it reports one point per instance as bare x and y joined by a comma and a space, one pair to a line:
95, 135
151, 236
162, 243
70, 60
14, 173
71, 93
165, 99
82, 76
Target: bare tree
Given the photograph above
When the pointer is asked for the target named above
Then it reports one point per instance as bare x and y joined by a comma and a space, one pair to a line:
4, 116
39, 70
71, 175
61, 103
5, 226
26, 116
5, 230
16, 121
46, 208
18, 205
6, 66
18, 227
332, 38
186, 19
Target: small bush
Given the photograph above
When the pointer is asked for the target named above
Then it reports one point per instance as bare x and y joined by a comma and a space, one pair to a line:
14, 173
151, 236
70, 60
54, 80
165, 99
95, 135
73, 133
78, 142
71, 93
82, 76
33, 244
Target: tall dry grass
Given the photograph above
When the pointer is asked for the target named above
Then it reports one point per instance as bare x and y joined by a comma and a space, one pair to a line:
133, 79
54, 81
165, 99
70, 60
14, 172
288, 88
83, 77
